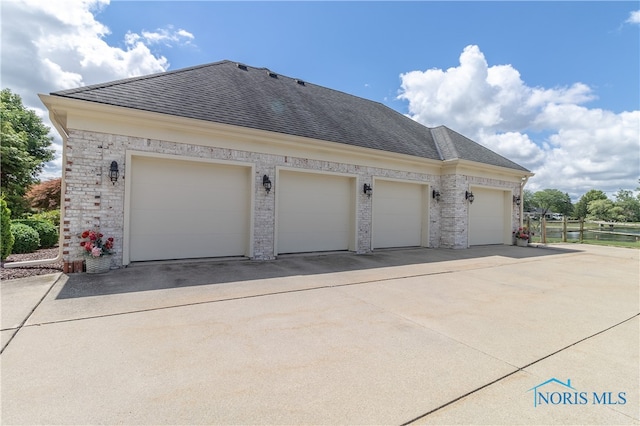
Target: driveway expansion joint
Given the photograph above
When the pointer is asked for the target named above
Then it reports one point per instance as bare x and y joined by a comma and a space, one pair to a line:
519, 369
24, 321
229, 299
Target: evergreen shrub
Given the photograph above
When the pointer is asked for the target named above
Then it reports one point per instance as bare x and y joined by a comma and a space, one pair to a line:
46, 231
6, 237
51, 216
26, 238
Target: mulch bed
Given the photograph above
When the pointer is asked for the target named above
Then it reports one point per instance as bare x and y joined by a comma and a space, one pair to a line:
30, 271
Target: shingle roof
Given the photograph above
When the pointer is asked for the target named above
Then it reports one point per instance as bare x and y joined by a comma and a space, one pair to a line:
452, 145
230, 93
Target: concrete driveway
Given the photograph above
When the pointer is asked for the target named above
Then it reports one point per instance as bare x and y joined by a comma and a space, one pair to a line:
489, 335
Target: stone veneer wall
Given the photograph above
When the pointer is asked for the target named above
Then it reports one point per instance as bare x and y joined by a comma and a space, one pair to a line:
92, 201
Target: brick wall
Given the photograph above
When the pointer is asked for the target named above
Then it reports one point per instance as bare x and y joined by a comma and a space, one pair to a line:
93, 201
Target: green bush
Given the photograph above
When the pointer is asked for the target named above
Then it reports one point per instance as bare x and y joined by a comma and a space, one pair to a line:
26, 238
51, 216
6, 237
46, 231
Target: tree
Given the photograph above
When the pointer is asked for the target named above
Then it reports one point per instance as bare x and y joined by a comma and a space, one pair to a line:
604, 210
629, 205
527, 196
25, 148
580, 210
45, 195
552, 200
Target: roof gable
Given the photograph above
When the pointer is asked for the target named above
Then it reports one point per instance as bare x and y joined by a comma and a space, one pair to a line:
452, 145
230, 93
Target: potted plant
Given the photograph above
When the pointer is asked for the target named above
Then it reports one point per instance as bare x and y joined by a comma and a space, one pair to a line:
522, 235
97, 251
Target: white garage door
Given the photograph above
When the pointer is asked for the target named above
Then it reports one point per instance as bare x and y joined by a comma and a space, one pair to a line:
187, 209
397, 214
487, 217
314, 212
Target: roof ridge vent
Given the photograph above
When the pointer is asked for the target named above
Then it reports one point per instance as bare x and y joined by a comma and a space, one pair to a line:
242, 66
300, 82
272, 74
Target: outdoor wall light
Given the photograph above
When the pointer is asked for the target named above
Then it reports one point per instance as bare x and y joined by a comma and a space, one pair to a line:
516, 200
435, 194
113, 172
468, 195
367, 190
266, 183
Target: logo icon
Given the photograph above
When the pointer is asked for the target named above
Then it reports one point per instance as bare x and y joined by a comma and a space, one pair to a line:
557, 392
545, 397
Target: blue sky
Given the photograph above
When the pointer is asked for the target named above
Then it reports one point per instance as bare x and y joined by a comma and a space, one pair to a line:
554, 86
363, 47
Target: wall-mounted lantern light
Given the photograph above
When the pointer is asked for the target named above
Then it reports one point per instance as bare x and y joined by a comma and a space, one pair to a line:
517, 200
113, 172
435, 194
468, 195
367, 190
266, 182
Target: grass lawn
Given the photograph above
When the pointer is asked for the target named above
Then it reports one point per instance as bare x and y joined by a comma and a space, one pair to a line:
635, 245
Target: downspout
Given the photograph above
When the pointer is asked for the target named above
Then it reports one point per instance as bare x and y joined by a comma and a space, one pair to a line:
63, 190
523, 182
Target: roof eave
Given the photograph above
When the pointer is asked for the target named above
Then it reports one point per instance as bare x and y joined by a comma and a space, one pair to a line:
458, 163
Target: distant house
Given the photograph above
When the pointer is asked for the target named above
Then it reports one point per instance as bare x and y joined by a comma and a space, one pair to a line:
226, 159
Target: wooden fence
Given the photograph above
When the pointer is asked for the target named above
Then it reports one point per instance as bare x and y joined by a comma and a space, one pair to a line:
581, 226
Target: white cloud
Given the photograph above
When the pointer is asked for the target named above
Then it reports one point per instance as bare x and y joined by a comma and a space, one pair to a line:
548, 130
167, 36
55, 45
634, 17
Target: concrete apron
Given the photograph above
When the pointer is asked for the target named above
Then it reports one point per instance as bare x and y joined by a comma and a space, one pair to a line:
431, 336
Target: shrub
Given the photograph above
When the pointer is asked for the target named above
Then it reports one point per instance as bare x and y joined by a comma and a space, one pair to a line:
51, 216
46, 231
26, 238
6, 237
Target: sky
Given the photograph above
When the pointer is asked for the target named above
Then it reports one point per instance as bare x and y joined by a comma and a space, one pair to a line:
553, 86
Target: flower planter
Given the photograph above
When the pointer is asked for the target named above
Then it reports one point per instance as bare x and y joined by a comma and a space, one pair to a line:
98, 265
522, 243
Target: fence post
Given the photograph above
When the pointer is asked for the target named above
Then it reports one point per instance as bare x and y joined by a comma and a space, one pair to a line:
581, 229
564, 229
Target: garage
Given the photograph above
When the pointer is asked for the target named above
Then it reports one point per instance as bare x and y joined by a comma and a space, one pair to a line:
399, 214
489, 217
182, 209
315, 212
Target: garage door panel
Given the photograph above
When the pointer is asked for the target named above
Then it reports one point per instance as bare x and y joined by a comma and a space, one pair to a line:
397, 214
486, 217
314, 212
186, 209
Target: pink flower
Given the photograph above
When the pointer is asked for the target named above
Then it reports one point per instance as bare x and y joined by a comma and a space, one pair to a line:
96, 252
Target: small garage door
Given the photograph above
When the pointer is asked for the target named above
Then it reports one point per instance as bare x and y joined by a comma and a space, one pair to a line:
188, 209
398, 211
315, 212
487, 217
